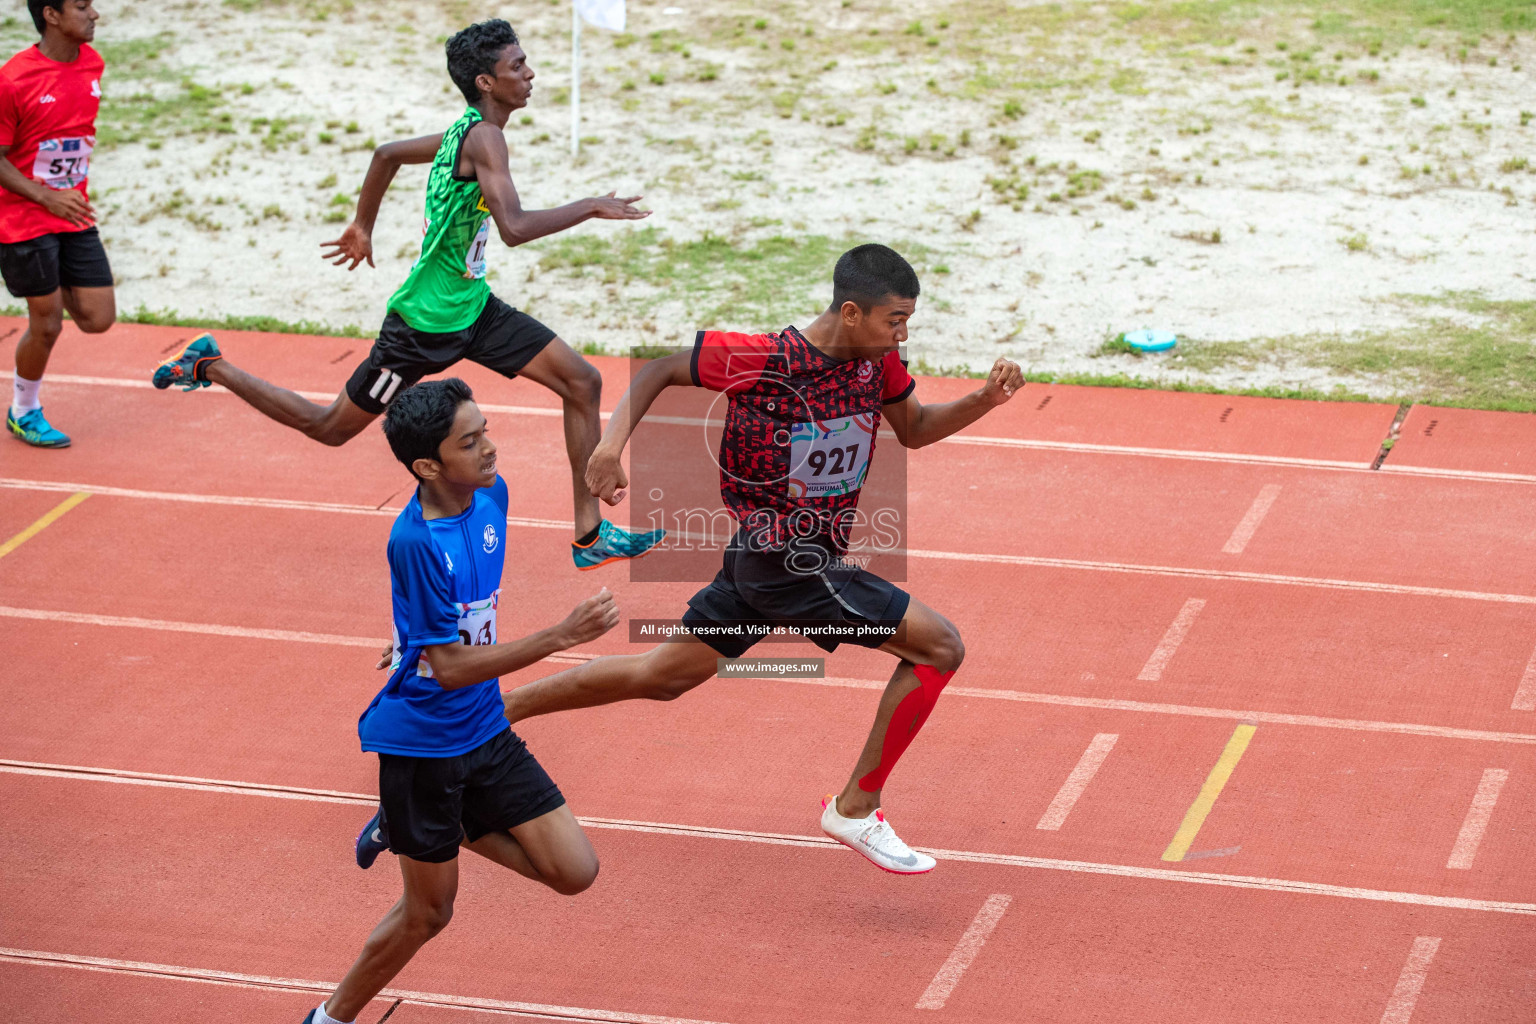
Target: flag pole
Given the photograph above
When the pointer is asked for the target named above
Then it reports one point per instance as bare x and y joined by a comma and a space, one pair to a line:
575, 78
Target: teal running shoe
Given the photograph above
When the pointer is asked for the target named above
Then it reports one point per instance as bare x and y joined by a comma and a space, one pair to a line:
189, 367
612, 544
35, 430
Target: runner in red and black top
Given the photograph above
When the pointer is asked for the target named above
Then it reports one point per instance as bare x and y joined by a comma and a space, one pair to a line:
804, 411
50, 253
799, 432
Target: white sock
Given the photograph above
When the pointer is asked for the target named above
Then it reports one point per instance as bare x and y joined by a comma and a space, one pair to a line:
321, 1017
24, 395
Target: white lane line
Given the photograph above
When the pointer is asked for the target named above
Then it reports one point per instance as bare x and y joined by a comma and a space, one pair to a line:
1525, 696
1152, 671
1476, 822
1189, 454
969, 439
1411, 981
1483, 475
240, 501
1085, 565
539, 1011
84, 774
292, 636
1232, 575
1196, 455
964, 953
1251, 520
1238, 714
1082, 774
1022, 696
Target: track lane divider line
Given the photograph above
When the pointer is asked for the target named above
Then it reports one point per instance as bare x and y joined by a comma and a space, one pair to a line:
967, 439
1197, 455
1034, 561
48, 519
1215, 782
1163, 653
1191, 454
1411, 981
1249, 524
84, 774
1082, 773
1019, 696
1476, 822
540, 1011
1525, 694
212, 629
965, 952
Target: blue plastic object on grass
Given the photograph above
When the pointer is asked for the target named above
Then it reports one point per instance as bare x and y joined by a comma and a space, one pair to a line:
1151, 341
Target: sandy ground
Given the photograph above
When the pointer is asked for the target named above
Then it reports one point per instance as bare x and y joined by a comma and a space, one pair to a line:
1329, 199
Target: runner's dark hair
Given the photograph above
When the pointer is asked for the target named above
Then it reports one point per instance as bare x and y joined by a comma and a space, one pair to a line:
35, 8
473, 52
420, 418
867, 274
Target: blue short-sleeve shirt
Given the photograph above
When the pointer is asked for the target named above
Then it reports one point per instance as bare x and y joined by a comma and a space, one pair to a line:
445, 578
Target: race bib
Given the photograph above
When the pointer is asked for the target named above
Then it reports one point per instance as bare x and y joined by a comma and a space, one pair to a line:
63, 163
477, 628
829, 456
474, 259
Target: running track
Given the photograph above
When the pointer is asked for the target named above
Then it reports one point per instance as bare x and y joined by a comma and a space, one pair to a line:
1246, 731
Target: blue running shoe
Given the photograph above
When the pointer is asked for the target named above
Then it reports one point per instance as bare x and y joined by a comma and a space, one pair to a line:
35, 430
372, 840
612, 544
309, 1018
189, 367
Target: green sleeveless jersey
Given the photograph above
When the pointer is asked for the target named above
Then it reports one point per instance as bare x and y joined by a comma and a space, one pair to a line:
446, 289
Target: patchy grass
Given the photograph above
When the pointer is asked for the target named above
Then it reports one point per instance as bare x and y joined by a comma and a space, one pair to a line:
717, 278
1364, 22
750, 283
1466, 351
171, 318
153, 114
270, 324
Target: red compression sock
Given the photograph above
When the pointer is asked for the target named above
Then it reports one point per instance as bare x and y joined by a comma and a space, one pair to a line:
908, 718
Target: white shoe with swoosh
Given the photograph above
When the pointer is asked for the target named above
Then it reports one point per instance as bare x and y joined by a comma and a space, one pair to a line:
875, 839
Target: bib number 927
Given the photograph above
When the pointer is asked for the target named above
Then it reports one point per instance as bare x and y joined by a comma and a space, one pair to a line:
829, 456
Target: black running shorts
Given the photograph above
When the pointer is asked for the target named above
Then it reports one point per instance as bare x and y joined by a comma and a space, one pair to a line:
39, 266
829, 600
430, 803
501, 339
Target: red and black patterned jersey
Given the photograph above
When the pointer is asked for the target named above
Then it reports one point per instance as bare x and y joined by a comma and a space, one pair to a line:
799, 430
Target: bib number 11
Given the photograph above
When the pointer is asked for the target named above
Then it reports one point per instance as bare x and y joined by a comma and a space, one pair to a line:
474, 259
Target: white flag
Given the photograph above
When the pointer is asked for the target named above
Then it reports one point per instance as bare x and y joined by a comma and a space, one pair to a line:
607, 14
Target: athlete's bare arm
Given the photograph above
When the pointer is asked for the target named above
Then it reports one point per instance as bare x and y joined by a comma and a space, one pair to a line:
69, 204
485, 154
356, 241
605, 474
917, 424
459, 665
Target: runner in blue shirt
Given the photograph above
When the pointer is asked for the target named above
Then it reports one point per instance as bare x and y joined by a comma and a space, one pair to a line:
451, 771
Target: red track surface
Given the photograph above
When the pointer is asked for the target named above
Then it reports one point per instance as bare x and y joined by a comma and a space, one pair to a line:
1378, 642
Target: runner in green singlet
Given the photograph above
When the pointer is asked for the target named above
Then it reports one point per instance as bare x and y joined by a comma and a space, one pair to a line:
444, 311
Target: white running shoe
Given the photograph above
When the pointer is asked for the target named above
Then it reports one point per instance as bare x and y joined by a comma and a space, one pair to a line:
875, 839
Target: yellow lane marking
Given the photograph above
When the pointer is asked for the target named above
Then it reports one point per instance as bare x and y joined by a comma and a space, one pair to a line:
43, 523
1195, 816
